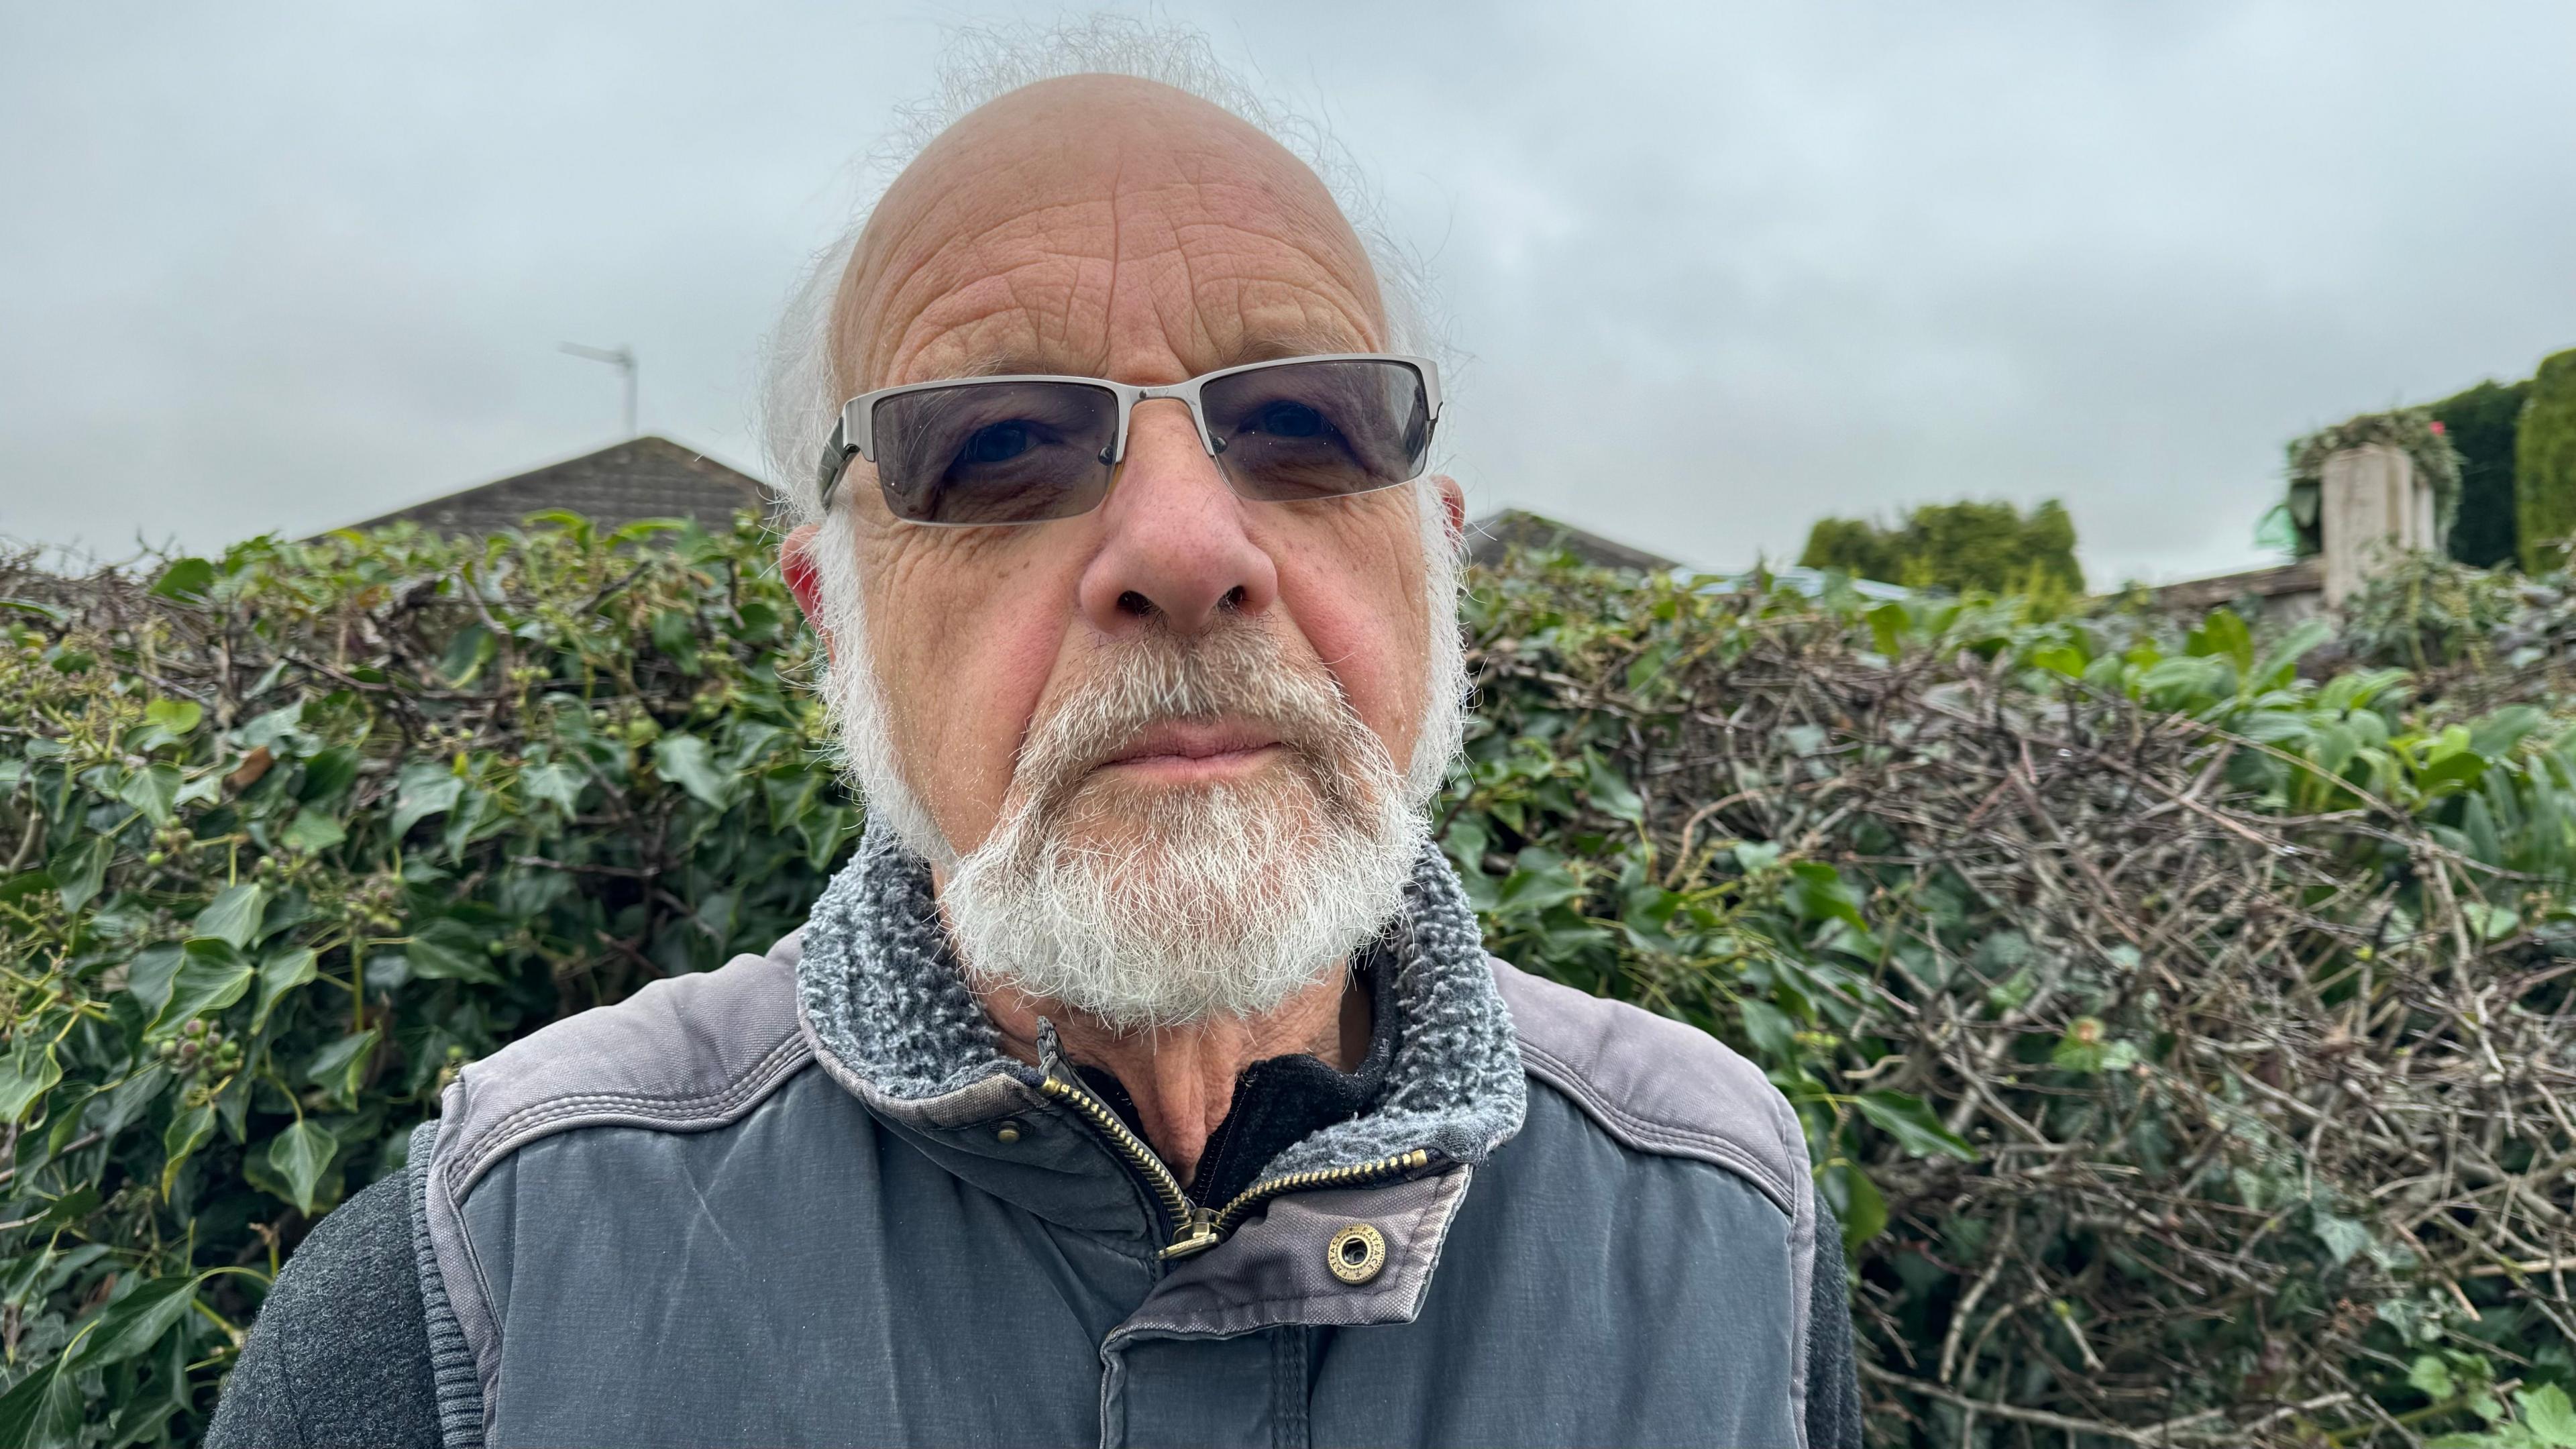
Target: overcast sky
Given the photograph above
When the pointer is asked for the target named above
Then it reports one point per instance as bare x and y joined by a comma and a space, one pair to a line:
1710, 270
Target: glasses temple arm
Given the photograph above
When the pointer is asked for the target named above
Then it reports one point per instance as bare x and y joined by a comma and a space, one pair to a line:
836, 461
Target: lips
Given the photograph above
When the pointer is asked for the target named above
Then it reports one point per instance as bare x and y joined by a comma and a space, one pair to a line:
1181, 742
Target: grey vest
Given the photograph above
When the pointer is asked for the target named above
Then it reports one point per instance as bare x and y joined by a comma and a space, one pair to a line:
806, 1201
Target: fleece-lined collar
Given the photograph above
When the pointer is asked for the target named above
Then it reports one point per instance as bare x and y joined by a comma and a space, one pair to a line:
883, 996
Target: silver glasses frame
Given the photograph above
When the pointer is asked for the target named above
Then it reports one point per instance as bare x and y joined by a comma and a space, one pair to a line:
854, 432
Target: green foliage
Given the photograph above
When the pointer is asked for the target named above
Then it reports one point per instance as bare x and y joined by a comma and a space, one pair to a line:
2038, 920
2482, 425
2065, 940
2544, 467
290, 835
1961, 547
2424, 612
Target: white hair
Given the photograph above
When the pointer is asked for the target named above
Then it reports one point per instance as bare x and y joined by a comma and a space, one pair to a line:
802, 394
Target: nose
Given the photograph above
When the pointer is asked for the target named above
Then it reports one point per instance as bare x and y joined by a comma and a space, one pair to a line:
1177, 547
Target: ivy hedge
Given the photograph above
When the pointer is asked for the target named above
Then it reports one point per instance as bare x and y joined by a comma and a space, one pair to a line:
2181, 1040
2544, 465
2481, 422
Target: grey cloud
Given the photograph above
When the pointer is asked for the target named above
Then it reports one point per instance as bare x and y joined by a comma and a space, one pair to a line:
1712, 270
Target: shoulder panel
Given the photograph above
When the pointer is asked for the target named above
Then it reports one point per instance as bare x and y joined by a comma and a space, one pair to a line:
1657, 1085
684, 1054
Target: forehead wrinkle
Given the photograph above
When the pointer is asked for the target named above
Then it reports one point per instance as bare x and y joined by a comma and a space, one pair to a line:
1218, 234
1032, 316
952, 270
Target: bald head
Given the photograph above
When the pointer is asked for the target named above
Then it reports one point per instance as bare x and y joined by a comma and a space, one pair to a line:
1102, 226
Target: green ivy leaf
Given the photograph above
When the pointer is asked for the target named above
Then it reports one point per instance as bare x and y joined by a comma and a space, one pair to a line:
298, 1157
1611, 795
188, 1131
113, 1110
2060, 659
81, 869
185, 578
2548, 1415
450, 951
70, 1208
423, 790
1773, 1034
2223, 635
1858, 1204
2342, 1237
328, 774
683, 760
278, 975
311, 830
44, 1411
212, 976
337, 1067
148, 976
27, 1073
134, 1323
2492, 923
154, 790
1818, 893
1887, 627
466, 655
233, 917
1909, 1120
175, 717
558, 785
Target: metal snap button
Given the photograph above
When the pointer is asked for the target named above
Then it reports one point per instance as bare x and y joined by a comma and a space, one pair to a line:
1356, 1253
1007, 1133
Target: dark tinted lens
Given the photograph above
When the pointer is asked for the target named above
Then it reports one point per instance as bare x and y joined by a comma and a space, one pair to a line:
1319, 429
994, 452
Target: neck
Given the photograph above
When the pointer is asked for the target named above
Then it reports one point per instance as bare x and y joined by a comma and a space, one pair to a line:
1181, 1078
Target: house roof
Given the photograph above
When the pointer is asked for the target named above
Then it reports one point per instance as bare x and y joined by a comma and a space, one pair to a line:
2307, 576
646, 477
1497, 534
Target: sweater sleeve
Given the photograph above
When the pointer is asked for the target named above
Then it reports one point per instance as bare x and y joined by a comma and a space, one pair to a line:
340, 1351
1833, 1378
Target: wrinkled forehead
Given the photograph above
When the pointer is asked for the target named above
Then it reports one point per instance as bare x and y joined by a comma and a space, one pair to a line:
1100, 226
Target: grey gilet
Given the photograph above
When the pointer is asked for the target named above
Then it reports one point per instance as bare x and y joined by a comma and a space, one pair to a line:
659, 1222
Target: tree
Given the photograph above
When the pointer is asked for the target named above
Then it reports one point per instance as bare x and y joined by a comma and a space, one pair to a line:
1969, 545
2481, 423
2544, 465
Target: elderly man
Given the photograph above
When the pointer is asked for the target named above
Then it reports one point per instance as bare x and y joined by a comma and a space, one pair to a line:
1142, 1079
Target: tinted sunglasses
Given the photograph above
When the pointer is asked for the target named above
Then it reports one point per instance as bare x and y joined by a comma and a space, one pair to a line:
1025, 449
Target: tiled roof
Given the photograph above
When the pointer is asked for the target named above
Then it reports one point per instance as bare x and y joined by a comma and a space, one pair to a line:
1491, 537
645, 477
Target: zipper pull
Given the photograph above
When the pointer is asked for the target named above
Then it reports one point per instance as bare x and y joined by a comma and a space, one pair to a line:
1051, 1061
1196, 1236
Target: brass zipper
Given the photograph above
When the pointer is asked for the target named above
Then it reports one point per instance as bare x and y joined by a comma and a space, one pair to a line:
1196, 1229
1176, 1203
1224, 1220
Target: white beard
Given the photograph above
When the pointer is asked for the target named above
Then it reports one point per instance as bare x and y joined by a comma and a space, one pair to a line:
1148, 907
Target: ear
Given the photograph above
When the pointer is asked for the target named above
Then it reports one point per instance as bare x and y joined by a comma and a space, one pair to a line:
804, 580
1453, 503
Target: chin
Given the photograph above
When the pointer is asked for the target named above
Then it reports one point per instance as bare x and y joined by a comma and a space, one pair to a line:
1165, 905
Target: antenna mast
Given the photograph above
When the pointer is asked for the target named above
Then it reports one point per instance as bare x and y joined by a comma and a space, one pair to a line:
621, 357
